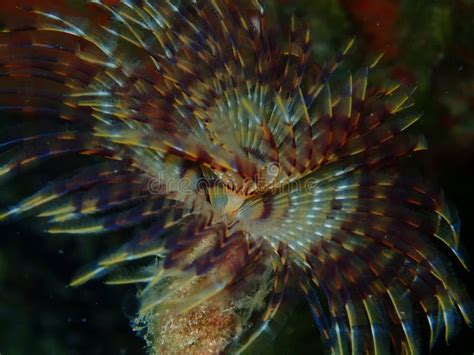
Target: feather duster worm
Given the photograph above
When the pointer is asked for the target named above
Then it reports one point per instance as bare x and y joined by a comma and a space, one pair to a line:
243, 162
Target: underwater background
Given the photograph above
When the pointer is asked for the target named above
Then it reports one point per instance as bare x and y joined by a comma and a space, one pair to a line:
427, 43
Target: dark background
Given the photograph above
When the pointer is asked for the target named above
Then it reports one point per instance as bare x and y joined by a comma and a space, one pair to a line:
429, 43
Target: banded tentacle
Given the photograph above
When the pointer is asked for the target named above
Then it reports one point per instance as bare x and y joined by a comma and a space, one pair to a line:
369, 242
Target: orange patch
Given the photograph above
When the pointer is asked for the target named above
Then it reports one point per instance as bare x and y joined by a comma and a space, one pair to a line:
377, 19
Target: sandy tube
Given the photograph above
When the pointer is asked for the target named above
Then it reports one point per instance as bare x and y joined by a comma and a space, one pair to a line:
201, 318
